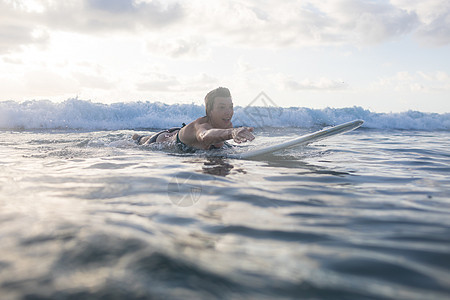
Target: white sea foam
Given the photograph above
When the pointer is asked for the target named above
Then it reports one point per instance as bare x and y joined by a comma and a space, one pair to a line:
81, 114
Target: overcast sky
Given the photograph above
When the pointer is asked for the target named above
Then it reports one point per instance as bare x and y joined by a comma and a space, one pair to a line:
380, 55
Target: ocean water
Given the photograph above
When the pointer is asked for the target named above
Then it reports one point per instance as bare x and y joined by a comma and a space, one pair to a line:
86, 214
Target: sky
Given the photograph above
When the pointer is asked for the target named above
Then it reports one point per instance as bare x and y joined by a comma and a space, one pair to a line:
386, 56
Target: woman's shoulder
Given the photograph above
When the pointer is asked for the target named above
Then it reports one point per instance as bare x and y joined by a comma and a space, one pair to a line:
201, 120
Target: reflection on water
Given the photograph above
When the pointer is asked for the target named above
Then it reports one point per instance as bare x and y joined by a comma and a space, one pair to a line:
219, 166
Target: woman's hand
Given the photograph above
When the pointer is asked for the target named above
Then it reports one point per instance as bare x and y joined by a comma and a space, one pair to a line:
242, 134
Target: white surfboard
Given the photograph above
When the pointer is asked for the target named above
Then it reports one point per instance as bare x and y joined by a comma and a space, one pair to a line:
302, 140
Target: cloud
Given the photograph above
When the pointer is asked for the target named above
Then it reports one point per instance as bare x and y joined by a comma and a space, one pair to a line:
434, 16
437, 33
376, 22
92, 81
109, 16
113, 6
322, 84
288, 23
10, 60
17, 29
159, 82
415, 82
238, 23
298, 23
20, 25
427, 11
191, 47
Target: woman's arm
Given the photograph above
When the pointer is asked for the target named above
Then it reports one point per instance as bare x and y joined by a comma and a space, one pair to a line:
211, 136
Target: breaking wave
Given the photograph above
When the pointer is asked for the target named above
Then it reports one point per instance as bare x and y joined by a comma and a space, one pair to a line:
81, 114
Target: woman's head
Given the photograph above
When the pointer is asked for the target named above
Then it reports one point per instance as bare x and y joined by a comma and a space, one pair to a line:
211, 96
219, 107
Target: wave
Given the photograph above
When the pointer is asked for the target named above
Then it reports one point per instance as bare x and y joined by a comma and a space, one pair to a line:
82, 114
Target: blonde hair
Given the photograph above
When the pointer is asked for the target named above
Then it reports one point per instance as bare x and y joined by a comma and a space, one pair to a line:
211, 96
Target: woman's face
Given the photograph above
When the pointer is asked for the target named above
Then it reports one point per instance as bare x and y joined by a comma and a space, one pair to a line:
222, 112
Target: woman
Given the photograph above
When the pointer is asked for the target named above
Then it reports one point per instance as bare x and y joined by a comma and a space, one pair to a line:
208, 132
